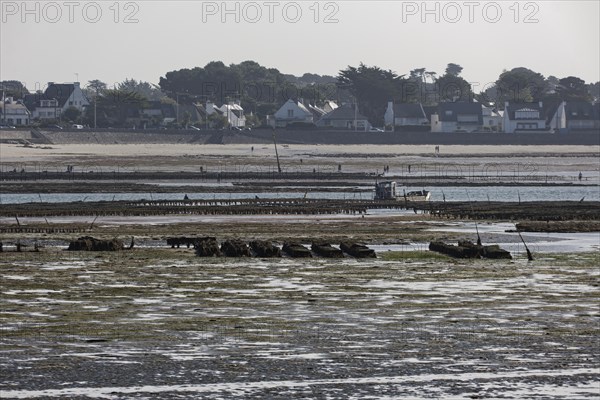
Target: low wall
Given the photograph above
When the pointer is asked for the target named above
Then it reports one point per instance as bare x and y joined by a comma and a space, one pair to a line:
303, 137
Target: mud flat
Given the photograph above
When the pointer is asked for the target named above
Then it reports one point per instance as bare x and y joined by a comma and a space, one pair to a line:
534, 210
154, 323
559, 226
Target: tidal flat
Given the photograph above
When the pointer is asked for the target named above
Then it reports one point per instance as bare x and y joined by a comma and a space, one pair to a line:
155, 322
159, 322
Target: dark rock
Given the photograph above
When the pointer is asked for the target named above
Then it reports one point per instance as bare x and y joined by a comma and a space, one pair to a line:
495, 252
265, 249
207, 247
88, 243
326, 250
296, 250
235, 248
357, 250
467, 249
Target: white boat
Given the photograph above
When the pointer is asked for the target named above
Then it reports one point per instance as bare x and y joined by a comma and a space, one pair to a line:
388, 190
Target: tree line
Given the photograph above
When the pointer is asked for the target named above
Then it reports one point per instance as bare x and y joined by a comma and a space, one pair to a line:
262, 90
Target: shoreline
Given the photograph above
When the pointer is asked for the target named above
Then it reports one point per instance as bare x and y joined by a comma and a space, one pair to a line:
17, 152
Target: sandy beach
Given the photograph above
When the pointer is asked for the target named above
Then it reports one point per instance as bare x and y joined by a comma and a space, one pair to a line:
19, 153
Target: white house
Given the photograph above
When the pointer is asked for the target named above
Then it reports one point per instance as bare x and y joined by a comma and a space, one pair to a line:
344, 117
47, 109
405, 115
317, 112
457, 117
14, 112
55, 100
232, 111
234, 114
290, 112
329, 106
524, 117
558, 118
492, 120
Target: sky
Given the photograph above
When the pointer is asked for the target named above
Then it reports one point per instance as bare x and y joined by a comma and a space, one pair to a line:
68, 40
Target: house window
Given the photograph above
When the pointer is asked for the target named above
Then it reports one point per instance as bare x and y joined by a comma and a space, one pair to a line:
290, 113
448, 112
527, 114
526, 126
70, 103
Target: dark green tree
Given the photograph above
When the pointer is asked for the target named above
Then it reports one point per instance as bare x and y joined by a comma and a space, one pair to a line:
372, 88
253, 85
521, 85
572, 88
14, 89
453, 69
71, 114
594, 90
115, 106
94, 88
148, 90
453, 88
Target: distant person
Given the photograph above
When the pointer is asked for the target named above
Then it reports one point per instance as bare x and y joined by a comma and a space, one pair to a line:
186, 197
409, 168
252, 149
580, 176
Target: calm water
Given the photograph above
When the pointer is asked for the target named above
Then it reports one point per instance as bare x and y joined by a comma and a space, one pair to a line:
451, 193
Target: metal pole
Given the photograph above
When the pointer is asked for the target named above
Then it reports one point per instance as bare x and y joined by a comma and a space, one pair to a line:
95, 108
276, 153
3, 107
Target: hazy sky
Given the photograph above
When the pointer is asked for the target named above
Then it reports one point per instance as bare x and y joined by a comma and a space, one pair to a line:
144, 39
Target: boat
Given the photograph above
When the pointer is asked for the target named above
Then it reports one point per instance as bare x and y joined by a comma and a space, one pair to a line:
388, 190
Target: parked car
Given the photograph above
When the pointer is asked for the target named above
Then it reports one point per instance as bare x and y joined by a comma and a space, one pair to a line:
373, 129
77, 126
7, 127
195, 128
